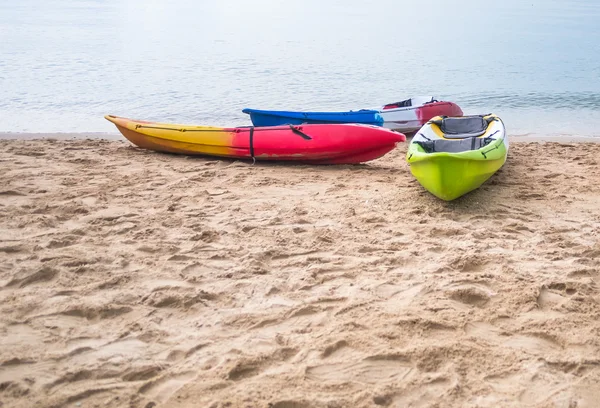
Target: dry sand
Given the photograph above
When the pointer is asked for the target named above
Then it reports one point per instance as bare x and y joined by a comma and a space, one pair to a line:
137, 279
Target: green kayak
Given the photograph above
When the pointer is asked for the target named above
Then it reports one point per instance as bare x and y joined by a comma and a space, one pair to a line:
451, 156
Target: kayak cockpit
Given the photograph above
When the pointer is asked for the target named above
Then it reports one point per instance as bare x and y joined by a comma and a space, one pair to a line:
453, 146
464, 126
459, 134
407, 103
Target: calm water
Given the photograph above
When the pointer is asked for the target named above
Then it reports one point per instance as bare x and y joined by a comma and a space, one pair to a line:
66, 63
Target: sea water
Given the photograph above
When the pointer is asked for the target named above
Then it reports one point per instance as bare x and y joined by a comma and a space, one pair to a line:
66, 63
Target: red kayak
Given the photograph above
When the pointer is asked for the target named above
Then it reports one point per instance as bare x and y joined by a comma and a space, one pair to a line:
319, 144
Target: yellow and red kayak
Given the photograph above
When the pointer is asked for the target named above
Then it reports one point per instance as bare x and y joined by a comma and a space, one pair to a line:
314, 143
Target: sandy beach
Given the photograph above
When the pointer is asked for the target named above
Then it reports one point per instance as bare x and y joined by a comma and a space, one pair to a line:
136, 279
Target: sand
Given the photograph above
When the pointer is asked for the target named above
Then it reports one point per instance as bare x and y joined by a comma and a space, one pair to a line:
137, 279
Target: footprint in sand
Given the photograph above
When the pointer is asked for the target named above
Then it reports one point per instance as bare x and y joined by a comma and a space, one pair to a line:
534, 343
13, 248
398, 297
422, 396
97, 313
334, 348
22, 372
290, 404
18, 334
250, 367
371, 370
470, 295
584, 273
175, 294
470, 263
117, 352
23, 278
533, 386
548, 299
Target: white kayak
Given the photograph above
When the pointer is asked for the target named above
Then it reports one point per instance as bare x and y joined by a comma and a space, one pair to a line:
410, 115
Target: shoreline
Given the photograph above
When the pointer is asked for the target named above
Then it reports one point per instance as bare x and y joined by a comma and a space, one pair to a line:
518, 138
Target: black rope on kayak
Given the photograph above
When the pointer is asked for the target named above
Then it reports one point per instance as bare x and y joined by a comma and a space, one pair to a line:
168, 128
488, 140
490, 150
428, 146
437, 121
301, 133
490, 119
251, 143
227, 130
491, 135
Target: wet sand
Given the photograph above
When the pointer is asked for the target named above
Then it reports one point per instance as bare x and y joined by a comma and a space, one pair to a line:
137, 279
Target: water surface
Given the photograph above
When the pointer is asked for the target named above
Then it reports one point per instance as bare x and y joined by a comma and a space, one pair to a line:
65, 63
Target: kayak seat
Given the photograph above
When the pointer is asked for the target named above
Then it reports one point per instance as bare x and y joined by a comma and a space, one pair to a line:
454, 146
463, 126
410, 102
401, 104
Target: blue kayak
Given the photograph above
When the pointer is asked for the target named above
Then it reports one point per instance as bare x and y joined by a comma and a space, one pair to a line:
277, 118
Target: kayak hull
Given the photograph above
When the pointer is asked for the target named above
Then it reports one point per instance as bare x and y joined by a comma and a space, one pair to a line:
450, 175
319, 144
405, 119
449, 178
278, 118
411, 119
